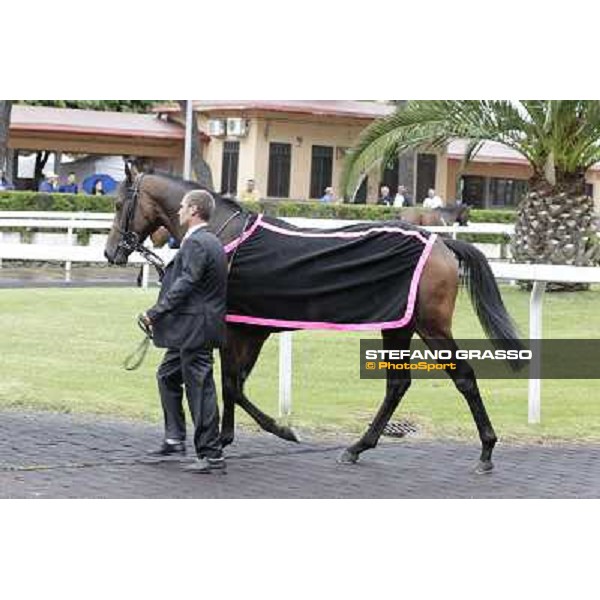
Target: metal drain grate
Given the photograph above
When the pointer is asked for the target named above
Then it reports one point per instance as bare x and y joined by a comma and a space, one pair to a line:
399, 429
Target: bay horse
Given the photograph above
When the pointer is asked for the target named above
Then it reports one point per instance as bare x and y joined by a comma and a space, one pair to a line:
148, 201
456, 212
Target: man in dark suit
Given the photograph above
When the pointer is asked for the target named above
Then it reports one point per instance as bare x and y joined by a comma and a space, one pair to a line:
189, 320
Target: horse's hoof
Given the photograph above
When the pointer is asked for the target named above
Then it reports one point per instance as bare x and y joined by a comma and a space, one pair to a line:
484, 467
347, 458
287, 433
226, 440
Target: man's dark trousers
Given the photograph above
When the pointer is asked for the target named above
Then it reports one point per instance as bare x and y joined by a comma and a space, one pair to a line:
194, 369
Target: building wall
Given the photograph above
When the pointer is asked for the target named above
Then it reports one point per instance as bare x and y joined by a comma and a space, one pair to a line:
302, 132
505, 171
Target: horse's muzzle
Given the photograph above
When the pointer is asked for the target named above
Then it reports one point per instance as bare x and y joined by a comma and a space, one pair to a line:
116, 258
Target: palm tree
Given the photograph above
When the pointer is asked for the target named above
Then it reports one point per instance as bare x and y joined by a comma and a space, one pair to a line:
559, 138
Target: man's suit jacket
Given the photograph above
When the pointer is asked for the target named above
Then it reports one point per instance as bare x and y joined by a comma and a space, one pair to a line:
190, 312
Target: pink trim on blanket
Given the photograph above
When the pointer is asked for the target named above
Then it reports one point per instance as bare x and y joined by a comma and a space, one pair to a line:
343, 234
402, 322
239, 240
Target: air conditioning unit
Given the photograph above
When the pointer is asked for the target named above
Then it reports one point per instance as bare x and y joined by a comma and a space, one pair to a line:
237, 127
216, 127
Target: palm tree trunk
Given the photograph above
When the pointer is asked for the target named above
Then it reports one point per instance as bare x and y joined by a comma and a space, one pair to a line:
556, 226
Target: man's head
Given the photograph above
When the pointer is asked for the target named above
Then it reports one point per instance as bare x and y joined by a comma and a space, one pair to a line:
329, 191
385, 190
196, 207
250, 185
71, 178
401, 190
431, 192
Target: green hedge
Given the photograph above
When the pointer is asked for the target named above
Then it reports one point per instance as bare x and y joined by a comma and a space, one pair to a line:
362, 212
11, 200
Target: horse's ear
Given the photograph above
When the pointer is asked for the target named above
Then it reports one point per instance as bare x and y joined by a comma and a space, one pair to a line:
128, 175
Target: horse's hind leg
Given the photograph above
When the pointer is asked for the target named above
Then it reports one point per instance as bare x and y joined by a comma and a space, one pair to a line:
436, 302
465, 381
397, 384
238, 357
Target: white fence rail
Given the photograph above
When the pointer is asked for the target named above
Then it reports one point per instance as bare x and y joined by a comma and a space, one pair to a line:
70, 222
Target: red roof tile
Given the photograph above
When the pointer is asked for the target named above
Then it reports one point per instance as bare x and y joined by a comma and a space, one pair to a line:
68, 120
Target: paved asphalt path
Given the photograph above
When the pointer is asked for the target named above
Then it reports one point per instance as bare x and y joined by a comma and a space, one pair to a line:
49, 455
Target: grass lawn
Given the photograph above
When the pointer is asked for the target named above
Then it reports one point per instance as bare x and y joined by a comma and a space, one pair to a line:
62, 349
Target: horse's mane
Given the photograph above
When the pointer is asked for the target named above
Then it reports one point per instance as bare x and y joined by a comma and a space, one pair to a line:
194, 185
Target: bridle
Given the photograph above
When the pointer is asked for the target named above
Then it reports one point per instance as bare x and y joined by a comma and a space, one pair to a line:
130, 240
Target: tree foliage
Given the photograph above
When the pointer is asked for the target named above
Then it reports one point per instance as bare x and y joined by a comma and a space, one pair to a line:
135, 106
559, 138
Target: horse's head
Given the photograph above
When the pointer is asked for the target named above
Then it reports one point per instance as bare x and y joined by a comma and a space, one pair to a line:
135, 218
147, 201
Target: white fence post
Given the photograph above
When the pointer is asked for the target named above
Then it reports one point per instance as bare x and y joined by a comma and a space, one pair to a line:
535, 333
68, 263
145, 273
285, 373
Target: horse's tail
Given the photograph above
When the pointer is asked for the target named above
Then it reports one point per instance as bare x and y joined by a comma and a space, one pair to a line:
485, 297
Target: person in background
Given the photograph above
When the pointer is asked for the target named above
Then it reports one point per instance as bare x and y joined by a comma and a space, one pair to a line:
98, 189
384, 196
329, 195
402, 198
49, 184
5, 184
71, 186
250, 193
433, 200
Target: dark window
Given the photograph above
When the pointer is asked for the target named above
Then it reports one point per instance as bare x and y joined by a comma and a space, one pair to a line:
280, 160
320, 171
426, 164
589, 190
506, 192
361, 194
390, 176
473, 192
229, 175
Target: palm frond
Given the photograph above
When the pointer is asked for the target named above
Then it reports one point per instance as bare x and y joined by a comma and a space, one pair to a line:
555, 136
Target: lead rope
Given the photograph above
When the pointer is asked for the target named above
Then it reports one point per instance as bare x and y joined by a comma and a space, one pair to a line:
136, 358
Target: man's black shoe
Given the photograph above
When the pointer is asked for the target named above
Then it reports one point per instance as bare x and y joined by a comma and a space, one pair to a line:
168, 449
206, 465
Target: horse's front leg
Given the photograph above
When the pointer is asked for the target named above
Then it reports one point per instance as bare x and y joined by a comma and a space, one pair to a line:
238, 357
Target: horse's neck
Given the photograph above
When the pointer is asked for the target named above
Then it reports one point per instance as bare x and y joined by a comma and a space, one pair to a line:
168, 201
167, 204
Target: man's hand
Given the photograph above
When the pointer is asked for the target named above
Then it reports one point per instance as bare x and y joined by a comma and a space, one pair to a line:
145, 322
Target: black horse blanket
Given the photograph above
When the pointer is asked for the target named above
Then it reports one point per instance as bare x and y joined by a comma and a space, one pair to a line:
358, 277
